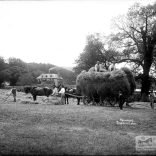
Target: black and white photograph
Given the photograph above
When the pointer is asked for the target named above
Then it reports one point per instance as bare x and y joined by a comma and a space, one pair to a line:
77, 77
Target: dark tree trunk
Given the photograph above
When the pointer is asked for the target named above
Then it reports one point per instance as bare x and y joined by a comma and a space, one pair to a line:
145, 87
146, 84
148, 47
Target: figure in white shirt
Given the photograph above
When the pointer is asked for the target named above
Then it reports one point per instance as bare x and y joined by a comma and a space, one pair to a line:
62, 92
97, 66
55, 92
102, 67
112, 67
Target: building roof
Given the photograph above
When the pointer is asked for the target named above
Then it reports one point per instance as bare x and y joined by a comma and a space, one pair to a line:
49, 76
52, 68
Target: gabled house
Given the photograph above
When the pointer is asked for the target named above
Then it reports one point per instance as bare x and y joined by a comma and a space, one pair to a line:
50, 79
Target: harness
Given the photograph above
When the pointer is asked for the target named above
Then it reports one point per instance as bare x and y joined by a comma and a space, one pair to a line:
74, 95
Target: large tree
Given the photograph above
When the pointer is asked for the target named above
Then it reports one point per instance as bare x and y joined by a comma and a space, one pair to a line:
26, 79
136, 40
94, 51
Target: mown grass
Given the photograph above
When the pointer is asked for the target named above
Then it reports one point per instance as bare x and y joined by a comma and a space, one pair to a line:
71, 129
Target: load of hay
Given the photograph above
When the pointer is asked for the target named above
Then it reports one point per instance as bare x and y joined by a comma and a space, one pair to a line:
100, 85
28, 102
92, 69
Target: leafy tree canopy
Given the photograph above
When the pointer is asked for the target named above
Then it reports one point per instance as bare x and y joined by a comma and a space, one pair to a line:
95, 51
18, 72
136, 40
133, 41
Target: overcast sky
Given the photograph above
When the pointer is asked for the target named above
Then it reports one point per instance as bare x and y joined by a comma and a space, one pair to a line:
54, 31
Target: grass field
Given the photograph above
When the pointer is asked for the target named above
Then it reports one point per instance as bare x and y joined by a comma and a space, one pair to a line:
45, 128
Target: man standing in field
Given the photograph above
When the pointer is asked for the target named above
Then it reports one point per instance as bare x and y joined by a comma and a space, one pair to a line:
121, 100
13, 91
55, 91
62, 92
152, 97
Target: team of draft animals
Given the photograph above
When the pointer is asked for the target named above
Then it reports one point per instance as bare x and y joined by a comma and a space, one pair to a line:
95, 85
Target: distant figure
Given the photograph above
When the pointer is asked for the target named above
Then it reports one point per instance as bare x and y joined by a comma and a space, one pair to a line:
13, 91
55, 91
152, 97
62, 92
112, 67
97, 66
102, 67
121, 100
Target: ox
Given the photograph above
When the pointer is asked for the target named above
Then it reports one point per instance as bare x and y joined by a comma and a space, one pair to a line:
38, 91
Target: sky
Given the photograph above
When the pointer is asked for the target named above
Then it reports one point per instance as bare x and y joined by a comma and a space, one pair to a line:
55, 31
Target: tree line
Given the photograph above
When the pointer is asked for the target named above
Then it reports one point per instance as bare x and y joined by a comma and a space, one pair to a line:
17, 72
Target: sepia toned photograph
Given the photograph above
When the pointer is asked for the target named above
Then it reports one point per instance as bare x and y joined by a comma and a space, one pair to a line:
77, 77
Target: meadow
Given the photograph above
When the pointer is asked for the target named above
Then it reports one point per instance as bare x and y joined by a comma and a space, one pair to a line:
43, 128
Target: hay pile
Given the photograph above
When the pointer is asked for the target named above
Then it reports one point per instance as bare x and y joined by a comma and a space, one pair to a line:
41, 100
130, 79
105, 84
92, 69
52, 100
23, 98
28, 102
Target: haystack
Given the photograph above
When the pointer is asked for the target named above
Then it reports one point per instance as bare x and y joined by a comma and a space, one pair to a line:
92, 69
130, 79
105, 84
28, 102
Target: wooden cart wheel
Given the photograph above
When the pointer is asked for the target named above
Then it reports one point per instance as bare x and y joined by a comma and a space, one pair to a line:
112, 101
